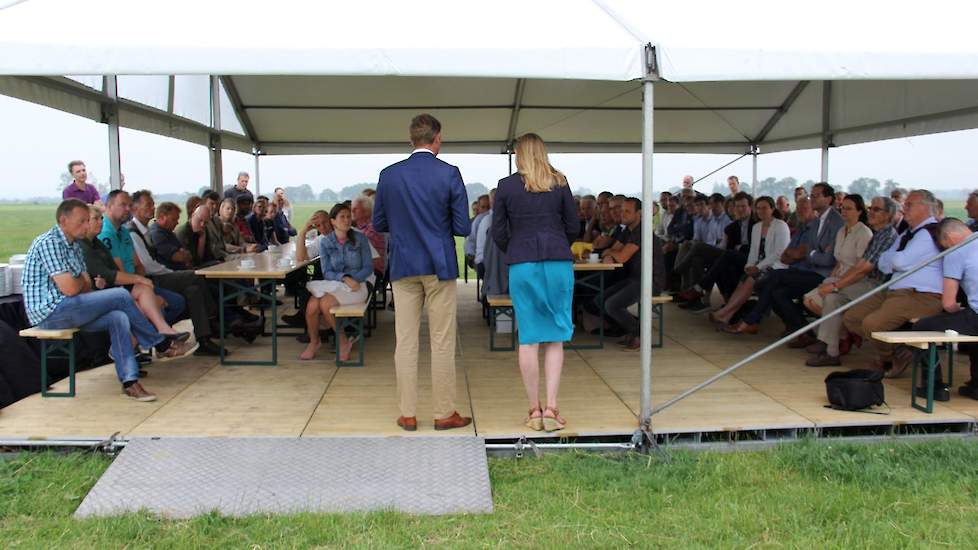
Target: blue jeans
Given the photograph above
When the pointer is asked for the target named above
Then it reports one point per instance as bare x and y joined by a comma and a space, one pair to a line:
111, 310
175, 304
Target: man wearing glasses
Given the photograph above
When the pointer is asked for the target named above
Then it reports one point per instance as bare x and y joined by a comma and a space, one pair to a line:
915, 297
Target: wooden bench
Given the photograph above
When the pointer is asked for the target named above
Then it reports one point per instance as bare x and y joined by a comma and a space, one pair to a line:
59, 344
500, 304
658, 308
350, 315
930, 341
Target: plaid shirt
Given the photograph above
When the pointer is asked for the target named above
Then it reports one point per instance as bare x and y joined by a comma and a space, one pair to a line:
51, 254
881, 242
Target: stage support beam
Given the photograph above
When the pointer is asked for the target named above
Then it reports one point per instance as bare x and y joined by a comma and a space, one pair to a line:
826, 127
645, 313
110, 116
216, 159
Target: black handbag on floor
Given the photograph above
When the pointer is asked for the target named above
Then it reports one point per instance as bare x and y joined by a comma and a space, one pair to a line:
855, 389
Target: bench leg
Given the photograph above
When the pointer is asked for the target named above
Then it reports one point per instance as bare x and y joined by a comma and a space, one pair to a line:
68, 349
931, 368
357, 324
494, 313
658, 309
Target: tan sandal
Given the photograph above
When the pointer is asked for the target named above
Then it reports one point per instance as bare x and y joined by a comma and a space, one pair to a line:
555, 422
534, 422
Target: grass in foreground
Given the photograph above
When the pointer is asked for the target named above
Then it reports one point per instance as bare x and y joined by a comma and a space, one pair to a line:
806, 495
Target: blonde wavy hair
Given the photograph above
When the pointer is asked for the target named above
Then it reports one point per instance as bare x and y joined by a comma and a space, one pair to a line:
532, 163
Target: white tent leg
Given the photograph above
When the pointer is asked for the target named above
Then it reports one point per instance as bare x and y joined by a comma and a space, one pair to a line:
753, 179
257, 174
109, 85
645, 314
216, 160
826, 127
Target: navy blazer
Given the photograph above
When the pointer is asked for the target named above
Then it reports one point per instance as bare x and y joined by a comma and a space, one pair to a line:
421, 202
531, 227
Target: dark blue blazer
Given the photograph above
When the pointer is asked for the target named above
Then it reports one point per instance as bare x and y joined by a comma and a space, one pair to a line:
421, 202
531, 227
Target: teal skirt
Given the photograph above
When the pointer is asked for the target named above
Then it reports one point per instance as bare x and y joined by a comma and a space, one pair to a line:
542, 294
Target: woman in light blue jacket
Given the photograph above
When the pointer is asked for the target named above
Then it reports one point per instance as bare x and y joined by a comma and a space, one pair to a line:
345, 258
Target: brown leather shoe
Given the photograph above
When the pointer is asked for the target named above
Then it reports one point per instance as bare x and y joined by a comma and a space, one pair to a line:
802, 341
689, 295
454, 421
408, 423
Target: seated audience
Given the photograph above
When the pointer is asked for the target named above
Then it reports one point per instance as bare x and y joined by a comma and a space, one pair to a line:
915, 297
602, 225
345, 258
588, 212
733, 183
362, 209
192, 235
280, 221
234, 242
769, 238
199, 297
59, 294
628, 291
783, 206
971, 207
245, 204
850, 246
214, 229
169, 251
679, 231
696, 256
482, 237
726, 271
260, 231
285, 207
101, 266
960, 272
861, 277
899, 195
808, 264
469, 244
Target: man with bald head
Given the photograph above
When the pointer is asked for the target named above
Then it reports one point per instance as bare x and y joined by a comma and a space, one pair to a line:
960, 272
687, 182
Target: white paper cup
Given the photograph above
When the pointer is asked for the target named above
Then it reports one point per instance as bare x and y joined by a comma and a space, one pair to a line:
594, 258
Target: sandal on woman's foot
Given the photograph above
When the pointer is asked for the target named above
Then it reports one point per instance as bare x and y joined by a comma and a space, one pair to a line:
346, 350
555, 422
535, 423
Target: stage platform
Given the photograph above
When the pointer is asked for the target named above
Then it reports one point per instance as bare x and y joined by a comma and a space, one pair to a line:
775, 397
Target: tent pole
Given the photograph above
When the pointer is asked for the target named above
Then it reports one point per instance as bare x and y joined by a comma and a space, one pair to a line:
826, 128
216, 161
645, 305
257, 173
753, 179
509, 156
110, 115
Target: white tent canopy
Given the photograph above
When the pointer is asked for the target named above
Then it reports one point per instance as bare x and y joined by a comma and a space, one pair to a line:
307, 77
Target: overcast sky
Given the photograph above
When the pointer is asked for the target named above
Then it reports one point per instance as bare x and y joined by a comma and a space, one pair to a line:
37, 142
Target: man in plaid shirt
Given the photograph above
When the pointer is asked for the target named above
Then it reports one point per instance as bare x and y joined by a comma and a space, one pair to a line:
59, 294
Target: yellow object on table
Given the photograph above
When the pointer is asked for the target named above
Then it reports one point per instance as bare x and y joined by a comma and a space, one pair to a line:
581, 249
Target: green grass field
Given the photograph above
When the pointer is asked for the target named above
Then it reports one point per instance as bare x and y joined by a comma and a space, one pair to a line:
21, 223
806, 495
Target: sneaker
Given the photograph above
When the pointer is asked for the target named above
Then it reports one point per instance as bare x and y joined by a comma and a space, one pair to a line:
138, 392
176, 351
143, 358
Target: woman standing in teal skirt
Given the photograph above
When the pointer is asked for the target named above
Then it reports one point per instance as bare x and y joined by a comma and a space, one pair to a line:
534, 222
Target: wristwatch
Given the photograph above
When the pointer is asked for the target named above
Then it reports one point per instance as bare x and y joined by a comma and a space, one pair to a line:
835, 288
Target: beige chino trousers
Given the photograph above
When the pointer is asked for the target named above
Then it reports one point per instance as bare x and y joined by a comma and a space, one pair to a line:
412, 296
889, 310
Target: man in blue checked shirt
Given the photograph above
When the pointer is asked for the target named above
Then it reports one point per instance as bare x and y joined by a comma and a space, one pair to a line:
698, 255
59, 294
915, 297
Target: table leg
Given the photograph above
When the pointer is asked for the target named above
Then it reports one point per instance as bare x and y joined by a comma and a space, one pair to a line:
586, 282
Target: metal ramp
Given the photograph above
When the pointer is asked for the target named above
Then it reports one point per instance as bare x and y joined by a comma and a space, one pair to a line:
185, 477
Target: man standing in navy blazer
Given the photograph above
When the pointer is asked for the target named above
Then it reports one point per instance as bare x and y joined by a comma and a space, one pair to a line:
421, 202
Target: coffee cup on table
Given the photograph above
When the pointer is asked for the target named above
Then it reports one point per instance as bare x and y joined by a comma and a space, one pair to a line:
594, 258
284, 262
247, 263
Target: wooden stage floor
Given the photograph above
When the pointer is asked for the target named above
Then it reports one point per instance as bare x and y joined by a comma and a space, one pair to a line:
599, 392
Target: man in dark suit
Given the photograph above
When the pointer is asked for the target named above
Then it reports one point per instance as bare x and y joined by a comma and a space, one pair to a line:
421, 202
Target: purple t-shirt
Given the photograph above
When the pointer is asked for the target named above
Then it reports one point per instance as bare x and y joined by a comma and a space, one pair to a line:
89, 195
